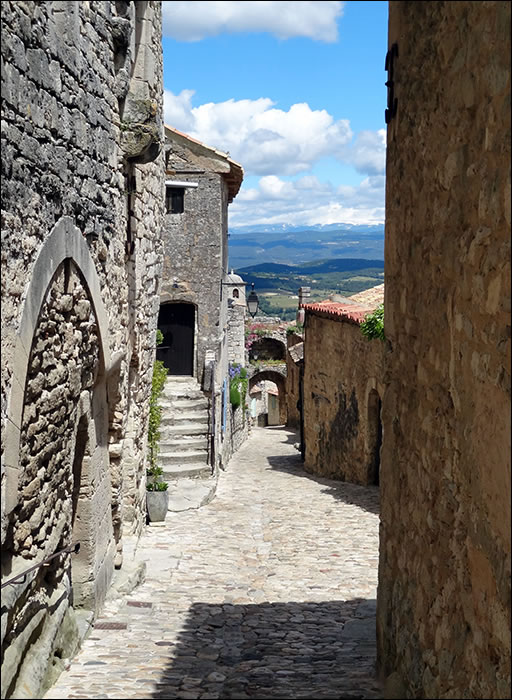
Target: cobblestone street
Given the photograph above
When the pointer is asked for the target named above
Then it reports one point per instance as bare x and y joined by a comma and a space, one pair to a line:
267, 592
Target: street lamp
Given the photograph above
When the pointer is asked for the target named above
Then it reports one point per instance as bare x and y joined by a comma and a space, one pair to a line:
253, 302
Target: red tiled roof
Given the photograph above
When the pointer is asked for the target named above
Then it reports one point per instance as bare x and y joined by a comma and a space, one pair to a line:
338, 310
352, 309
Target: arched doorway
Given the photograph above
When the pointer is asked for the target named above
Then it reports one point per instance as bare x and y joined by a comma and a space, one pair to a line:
177, 323
374, 436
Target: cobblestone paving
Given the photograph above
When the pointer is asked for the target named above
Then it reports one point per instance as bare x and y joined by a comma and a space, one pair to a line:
267, 592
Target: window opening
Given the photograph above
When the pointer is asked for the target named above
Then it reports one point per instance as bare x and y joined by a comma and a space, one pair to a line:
175, 200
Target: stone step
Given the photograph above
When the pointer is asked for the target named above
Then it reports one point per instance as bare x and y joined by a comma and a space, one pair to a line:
177, 392
184, 428
195, 470
170, 459
185, 418
181, 443
199, 404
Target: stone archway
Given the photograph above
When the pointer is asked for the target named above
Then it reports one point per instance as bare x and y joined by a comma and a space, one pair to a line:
64, 242
57, 421
279, 379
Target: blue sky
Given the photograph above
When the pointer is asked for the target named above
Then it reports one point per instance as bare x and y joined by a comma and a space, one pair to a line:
294, 91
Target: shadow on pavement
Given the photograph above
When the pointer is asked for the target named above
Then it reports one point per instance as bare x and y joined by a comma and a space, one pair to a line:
366, 497
274, 650
292, 437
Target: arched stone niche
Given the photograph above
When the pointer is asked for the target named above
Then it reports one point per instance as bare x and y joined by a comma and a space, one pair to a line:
64, 242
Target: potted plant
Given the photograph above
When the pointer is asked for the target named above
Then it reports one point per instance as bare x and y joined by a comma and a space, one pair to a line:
157, 496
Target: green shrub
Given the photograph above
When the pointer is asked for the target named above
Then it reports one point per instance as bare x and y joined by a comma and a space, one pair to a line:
238, 385
154, 472
373, 324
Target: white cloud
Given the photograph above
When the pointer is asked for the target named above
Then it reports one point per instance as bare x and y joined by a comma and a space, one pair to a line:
308, 201
368, 154
193, 21
265, 140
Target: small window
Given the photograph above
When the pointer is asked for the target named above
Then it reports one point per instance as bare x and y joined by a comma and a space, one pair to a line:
236, 294
174, 200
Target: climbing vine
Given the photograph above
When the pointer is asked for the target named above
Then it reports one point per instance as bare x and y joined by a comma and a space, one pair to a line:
154, 472
373, 324
238, 385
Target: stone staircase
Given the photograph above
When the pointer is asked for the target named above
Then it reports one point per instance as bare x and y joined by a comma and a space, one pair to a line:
183, 451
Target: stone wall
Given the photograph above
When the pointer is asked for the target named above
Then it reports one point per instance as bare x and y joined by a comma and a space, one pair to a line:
343, 373
293, 372
444, 577
194, 244
237, 431
81, 211
236, 332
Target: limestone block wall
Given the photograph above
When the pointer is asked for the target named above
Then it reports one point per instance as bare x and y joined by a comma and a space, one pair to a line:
343, 372
292, 383
444, 577
81, 221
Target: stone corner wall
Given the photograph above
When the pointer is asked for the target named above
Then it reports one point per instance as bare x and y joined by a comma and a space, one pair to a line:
340, 418
293, 378
443, 618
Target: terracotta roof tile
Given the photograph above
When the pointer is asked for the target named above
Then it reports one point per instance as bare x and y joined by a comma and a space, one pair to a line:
352, 309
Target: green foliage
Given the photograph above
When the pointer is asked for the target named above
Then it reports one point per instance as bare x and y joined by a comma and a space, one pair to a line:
267, 363
373, 324
154, 473
297, 328
155, 483
238, 385
234, 396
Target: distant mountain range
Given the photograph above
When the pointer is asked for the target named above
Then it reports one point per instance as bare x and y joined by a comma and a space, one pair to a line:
296, 245
277, 284
288, 228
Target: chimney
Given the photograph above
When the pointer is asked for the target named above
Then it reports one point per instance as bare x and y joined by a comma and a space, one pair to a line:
304, 294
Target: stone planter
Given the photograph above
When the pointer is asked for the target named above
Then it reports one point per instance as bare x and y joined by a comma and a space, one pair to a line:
157, 503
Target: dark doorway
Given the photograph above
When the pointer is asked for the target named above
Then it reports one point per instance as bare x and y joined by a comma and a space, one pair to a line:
375, 435
177, 321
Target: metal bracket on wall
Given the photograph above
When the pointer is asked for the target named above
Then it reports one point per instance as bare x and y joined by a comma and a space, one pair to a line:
390, 112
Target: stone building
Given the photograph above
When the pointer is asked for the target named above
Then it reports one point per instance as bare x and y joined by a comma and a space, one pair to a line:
237, 311
443, 609
342, 389
200, 317
82, 204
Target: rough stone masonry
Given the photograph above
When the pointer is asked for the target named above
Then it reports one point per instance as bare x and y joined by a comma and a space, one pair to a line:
443, 605
82, 207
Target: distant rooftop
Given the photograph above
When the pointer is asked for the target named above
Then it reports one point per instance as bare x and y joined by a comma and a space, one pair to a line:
234, 173
353, 309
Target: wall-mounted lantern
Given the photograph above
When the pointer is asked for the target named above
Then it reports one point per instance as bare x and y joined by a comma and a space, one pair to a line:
253, 302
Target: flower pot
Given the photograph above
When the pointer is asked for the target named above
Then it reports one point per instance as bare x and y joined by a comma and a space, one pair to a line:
157, 503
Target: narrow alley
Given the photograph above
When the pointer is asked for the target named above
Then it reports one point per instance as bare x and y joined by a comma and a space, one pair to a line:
267, 592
